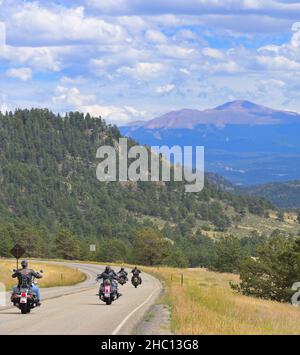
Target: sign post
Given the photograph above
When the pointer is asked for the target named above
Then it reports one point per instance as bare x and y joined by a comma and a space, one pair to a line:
92, 247
17, 251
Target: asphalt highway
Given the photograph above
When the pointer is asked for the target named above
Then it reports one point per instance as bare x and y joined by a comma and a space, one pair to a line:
77, 310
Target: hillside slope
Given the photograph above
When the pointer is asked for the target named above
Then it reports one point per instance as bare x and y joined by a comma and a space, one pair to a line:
48, 182
282, 194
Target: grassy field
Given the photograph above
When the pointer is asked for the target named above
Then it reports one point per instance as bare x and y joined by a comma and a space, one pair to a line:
54, 275
207, 305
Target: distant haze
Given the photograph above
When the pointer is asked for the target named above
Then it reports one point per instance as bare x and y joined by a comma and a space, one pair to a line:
244, 142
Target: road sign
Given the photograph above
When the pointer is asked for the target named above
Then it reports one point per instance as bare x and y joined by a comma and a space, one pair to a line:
92, 247
17, 251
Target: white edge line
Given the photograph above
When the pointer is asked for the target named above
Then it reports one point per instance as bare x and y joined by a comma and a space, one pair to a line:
119, 327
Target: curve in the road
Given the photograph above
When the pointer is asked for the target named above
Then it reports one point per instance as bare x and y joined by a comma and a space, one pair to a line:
77, 309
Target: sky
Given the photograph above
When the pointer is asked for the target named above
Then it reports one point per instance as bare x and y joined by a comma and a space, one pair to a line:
128, 60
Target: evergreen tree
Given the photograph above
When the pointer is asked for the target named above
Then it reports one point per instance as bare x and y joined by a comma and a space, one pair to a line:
150, 247
274, 271
66, 245
229, 254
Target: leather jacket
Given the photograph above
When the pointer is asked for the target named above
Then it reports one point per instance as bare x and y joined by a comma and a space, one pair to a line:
25, 276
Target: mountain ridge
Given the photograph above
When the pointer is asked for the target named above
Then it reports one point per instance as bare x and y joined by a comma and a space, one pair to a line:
234, 112
285, 195
248, 144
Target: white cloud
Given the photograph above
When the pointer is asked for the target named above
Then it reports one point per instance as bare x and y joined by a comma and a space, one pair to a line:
78, 80
274, 8
67, 99
71, 96
295, 41
109, 5
113, 114
20, 73
143, 71
213, 53
226, 67
2, 34
41, 58
280, 63
33, 24
185, 71
165, 89
176, 51
119, 57
284, 57
269, 49
185, 34
273, 83
155, 36
130, 52
133, 24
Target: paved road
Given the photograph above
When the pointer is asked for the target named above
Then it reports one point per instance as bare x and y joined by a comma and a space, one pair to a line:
77, 309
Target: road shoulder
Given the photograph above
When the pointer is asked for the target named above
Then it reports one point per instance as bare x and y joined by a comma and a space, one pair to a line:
156, 321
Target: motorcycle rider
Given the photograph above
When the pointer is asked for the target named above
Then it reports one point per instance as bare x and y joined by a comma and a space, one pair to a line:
110, 274
29, 273
123, 274
136, 273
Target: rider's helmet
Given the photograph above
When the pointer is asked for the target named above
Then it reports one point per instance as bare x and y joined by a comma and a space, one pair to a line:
122, 269
107, 269
24, 264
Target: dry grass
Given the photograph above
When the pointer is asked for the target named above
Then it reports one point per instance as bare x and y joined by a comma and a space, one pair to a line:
54, 275
207, 305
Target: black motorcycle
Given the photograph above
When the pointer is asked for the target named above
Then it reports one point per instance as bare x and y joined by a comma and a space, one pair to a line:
107, 292
122, 279
135, 281
23, 297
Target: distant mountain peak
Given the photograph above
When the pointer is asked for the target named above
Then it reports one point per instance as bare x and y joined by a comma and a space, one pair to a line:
235, 113
239, 104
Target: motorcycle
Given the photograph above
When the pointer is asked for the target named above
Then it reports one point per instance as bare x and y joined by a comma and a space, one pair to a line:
135, 281
107, 292
122, 279
23, 297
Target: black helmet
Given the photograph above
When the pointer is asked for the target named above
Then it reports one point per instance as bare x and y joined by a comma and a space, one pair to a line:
107, 268
122, 269
24, 264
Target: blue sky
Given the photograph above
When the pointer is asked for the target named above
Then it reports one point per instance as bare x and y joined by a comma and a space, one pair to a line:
128, 60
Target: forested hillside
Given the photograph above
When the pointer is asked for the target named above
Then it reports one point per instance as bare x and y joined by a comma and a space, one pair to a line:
51, 201
282, 194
